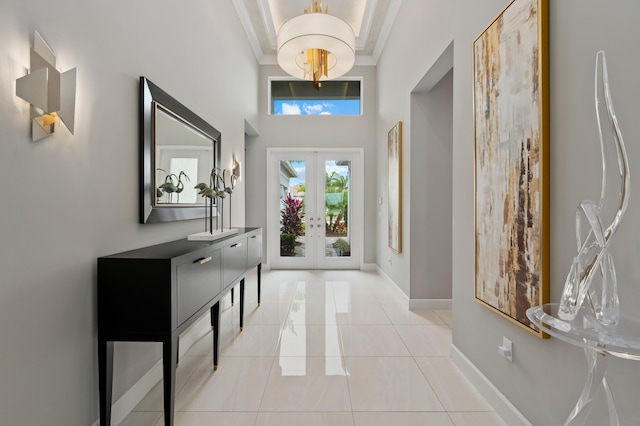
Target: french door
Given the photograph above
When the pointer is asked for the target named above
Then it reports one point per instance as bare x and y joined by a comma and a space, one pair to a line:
315, 214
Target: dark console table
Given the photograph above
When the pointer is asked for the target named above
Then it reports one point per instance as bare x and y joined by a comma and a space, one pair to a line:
154, 293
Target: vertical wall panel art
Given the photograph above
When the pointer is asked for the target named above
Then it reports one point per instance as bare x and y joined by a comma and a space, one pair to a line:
395, 187
511, 161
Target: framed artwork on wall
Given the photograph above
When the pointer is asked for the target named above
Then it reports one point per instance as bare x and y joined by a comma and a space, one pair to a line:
511, 124
394, 139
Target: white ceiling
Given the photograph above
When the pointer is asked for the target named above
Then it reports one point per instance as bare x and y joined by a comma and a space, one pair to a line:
371, 21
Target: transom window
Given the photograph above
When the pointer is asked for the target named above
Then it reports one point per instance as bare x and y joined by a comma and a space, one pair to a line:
299, 97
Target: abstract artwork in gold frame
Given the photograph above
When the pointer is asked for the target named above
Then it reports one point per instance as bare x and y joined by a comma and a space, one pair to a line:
511, 124
394, 139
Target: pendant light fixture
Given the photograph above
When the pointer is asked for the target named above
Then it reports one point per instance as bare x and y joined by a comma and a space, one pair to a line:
316, 46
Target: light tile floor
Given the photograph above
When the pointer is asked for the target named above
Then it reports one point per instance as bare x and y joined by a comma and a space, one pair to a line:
327, 348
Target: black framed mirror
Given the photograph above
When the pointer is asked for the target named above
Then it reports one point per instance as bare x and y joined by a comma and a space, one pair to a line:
178, 149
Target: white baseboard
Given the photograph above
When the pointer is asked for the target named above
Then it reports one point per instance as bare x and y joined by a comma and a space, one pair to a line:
368, 267
398, 292
430, 304
502, 406
127, 402
416, 304
194, 333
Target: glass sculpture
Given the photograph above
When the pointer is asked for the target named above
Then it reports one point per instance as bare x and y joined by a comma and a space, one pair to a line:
592, 275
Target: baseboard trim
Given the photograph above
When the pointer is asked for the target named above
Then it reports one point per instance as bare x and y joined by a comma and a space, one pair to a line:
430, 304
369, 267
194, 333
502, 406
132, 397
398, 292
127, 402
415, 304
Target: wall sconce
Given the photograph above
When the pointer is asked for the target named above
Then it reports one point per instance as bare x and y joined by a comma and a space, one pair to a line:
52, 94
235, 171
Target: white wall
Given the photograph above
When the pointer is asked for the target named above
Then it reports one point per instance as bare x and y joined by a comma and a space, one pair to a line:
68, 199
546, 377
430, 165
421, 33
316, 131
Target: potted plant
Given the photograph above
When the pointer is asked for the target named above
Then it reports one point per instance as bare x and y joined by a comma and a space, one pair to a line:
291, 218
343, 247
287, 244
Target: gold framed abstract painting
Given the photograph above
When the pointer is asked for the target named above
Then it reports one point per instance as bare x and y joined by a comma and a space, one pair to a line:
394, 139
511, 123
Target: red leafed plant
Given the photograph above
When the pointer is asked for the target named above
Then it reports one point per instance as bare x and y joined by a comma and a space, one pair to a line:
291, 215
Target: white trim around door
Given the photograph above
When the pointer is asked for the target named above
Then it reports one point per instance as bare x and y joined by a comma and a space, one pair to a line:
316, 246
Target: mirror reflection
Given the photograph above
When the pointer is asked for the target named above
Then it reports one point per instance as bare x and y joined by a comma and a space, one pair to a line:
178, 149
184, 156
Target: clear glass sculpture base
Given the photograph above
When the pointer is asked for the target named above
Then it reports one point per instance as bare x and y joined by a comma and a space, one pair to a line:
599, 342
210, 236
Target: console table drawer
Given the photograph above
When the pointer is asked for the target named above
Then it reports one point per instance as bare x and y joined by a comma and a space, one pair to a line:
254, 249
198, 281
235, 261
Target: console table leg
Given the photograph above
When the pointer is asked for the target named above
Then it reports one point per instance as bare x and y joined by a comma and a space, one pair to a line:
169, 359
241, 304
597, 365
105, 378
259, 280
215, 326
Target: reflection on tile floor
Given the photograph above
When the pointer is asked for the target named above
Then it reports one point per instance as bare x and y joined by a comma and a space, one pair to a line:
324, 348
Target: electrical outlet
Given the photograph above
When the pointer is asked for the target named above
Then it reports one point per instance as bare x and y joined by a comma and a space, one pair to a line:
506, 350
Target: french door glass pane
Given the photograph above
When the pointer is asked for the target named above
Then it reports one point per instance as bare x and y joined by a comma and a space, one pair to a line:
292, 208
337, 235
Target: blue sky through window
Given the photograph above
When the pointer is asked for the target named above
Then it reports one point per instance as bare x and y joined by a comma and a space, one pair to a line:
317, 107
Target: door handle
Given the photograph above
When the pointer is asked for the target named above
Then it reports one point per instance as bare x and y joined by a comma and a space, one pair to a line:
236, 245
203, 260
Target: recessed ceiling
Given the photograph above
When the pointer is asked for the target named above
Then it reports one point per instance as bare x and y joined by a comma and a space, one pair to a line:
371, 21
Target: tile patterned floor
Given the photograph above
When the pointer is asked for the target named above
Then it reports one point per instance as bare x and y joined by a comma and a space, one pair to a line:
327, 348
